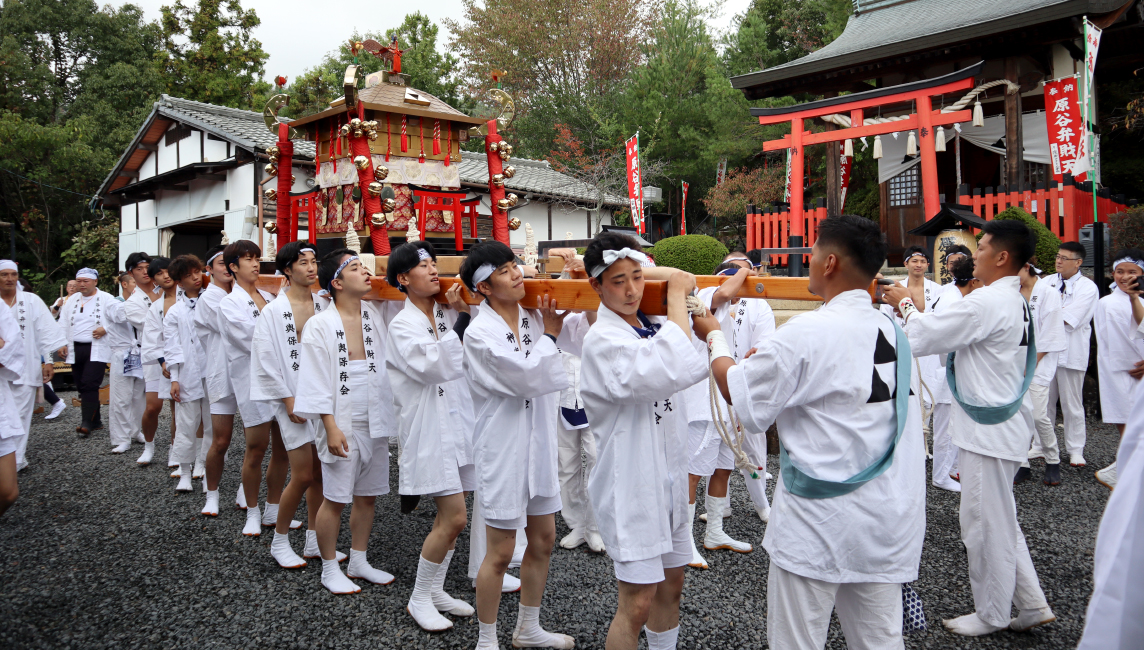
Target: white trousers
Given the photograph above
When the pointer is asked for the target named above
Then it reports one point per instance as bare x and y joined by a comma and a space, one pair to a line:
127, 400
1001, 571
25, 398
755, 446
576, 456
189, 414
944, 451
1067, 386
1044, 433
479, 544
798, 612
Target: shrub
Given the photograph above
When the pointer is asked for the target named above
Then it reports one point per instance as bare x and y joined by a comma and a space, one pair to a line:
1127, 228
698, 254
1047, 242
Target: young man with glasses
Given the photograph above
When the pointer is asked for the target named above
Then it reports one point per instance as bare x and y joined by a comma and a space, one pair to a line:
1078, 304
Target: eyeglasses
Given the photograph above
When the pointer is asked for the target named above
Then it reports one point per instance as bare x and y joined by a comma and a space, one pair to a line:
1062, 258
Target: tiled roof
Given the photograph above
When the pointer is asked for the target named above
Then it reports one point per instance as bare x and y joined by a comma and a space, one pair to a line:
534, 177
881, 29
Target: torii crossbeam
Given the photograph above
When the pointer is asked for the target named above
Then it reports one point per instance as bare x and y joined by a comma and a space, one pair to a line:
923, 120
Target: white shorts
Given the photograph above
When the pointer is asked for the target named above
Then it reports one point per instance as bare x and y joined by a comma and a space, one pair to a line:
254, 413
716, 455
162, 386
225, 405
9, 445
650, 571
342, 480
468, 476
152, 372
536, 507
294, 435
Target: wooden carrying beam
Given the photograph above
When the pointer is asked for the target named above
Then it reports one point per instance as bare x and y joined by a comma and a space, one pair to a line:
578, 294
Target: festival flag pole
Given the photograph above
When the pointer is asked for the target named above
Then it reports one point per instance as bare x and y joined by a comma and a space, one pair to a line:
683, 211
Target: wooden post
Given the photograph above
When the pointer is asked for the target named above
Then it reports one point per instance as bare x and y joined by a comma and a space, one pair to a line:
750, 227
930, 199
798, 156
1014, 141
833, 172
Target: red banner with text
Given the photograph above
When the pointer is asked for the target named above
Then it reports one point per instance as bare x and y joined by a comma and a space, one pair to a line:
635, 185
1066, 130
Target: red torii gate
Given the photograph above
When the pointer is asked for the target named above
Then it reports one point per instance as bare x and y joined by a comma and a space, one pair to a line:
924, 120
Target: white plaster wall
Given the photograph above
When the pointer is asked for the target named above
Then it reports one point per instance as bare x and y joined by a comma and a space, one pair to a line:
240, 186
172, 207
205, 197
1063, 63
233, 223
128, 244
148, 168
214, 150
190, 148
146, 214
167, 155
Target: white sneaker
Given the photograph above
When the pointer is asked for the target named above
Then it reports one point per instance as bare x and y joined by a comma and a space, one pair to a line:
1076, 460
57, 408
1107, 476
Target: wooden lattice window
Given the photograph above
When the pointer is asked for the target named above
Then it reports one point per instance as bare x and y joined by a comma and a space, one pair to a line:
905, 188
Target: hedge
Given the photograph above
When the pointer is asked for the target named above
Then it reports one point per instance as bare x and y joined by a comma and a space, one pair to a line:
1047, 242
1127, 229
698, 254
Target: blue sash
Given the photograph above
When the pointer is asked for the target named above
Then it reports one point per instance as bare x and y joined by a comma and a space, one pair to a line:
800, 484
995, 414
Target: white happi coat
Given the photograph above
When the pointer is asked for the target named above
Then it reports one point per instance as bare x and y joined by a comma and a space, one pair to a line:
12, 362
828, 380
183, 350
516, 392
40, 333
323, 380
237, 314
275, 350
1078, 305
989, 330
928, 368
101, 347
632, 389
435, 421
206, 322
1045, 306
1117, 352
936, 381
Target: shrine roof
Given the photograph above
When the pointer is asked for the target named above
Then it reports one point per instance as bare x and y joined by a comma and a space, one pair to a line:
881, 29
534, 177
391, 98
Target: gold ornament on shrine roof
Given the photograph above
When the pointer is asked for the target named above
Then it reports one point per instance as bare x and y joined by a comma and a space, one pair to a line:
361, 162
513, 223
270, 193
271, 227
380, 172
375, 189
498, 180
509, 171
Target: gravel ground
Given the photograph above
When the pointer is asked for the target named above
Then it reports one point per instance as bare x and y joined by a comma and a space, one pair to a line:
102, 553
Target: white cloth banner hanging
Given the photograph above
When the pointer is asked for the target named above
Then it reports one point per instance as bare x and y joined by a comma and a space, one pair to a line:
1034, 130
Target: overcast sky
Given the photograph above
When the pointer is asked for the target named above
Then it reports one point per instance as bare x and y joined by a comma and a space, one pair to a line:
296, 38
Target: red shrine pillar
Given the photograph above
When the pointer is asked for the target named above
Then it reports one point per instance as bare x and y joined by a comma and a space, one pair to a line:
285, 232
930, 199
795, 239
500, 217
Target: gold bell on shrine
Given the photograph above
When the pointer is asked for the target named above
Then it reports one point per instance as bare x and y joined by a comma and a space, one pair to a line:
388, 205
271, 227
377, 220
345, 130
511, 198
372, 135
272, 152
498, 180
380, 172
509, 171
271, 169
513, 223
493, 146
375, 188
504, 204
505, 153
271, 194
361, 162
355, 123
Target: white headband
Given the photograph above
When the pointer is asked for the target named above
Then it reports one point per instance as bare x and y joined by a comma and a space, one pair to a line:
212, 258
423, 255
915, 254
87, 274
8, 265
481, 274
308, 249
611, 257
1129, 260
341, 266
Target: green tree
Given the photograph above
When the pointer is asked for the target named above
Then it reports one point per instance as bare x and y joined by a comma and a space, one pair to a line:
209, 55
773, 32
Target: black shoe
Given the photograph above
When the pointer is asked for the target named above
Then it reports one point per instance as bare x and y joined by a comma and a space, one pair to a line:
1053, 474
1023, 475
409, 503
84, 428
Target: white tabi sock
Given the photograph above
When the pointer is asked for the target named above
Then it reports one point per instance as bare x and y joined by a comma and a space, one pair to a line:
253, 527
665, 640
270, 514
211, 507
197, 448
420, 605
359, 568
121, 447
970, 625
184, 479
443, 601
757, 489
283, 554
311, 549
697, 560
148, 453
335, 581
529, 634
240, 498
716, 538
487, 637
